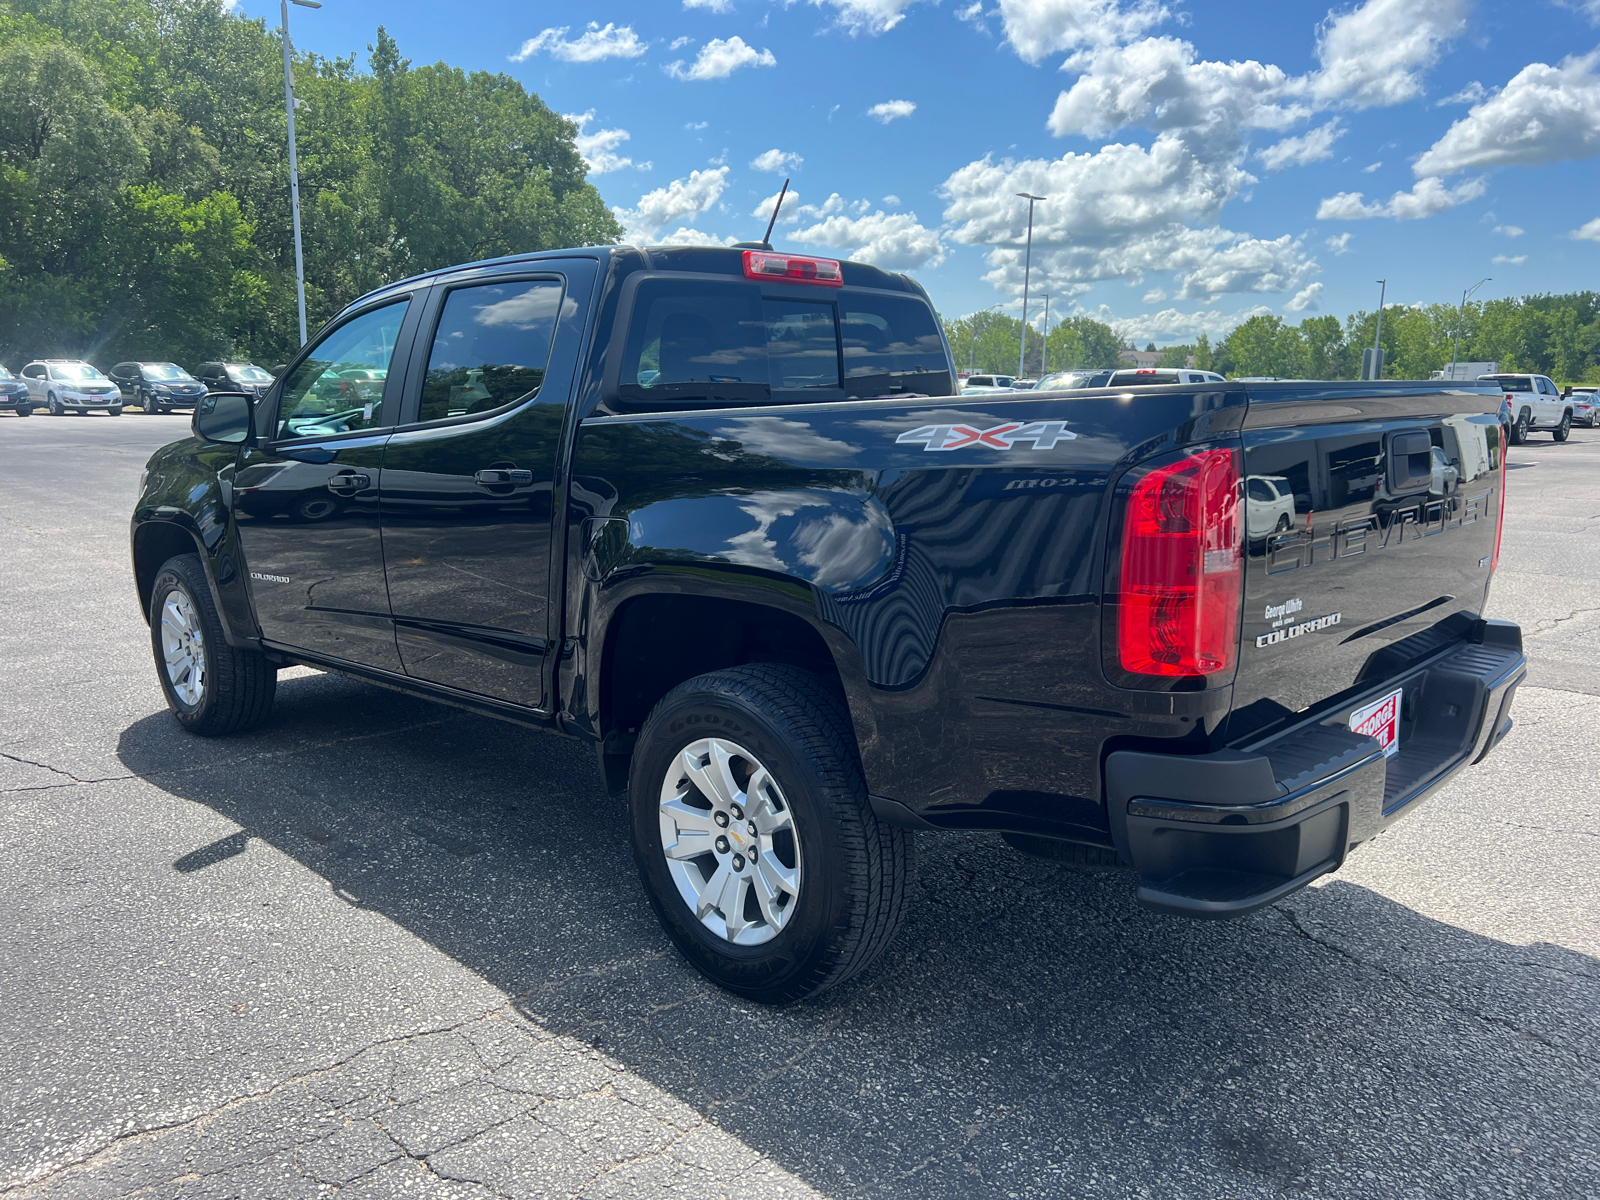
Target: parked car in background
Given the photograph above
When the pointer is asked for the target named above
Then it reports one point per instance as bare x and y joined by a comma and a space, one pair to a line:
14, 394
978, 384
157, 387
234, 377
1585, 406
66, 385
1140, 376
1066, 381
1536, 403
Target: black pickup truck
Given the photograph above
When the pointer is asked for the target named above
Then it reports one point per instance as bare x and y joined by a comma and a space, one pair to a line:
722, 513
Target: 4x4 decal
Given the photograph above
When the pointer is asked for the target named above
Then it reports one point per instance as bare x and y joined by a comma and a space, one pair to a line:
1043, 434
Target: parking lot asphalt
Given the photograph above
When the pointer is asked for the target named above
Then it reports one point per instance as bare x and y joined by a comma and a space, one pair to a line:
387, 948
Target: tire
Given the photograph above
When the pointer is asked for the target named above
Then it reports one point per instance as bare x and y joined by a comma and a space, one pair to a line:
851, 875
1561, 431
1072, 854
24, 411
114, 412
55, 406
1519, 431
234, 688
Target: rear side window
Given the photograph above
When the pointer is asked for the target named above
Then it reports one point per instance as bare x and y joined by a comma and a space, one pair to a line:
490, 348
891, 347
1512, 384
696, 341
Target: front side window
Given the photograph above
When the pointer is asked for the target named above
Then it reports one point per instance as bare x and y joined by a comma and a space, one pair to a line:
33, 372
491, 347
338, 387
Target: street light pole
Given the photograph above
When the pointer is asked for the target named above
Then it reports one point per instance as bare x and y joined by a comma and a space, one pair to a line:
294, 166
1377, 338
1460, 319
1027, 263
1044, 344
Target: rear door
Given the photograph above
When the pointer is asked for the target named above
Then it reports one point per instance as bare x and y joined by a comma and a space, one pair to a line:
1370, 518
468, 478
306, 497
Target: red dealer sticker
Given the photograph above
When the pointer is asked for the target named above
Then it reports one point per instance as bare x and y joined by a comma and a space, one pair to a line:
1380, 720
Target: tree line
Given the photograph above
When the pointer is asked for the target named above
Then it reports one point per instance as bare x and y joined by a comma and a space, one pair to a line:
1558, 336
144, 188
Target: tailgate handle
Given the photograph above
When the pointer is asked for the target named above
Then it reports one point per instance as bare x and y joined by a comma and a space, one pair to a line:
1410, 460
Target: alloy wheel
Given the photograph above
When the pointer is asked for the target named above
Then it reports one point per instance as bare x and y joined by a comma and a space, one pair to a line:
183, 648
730, 841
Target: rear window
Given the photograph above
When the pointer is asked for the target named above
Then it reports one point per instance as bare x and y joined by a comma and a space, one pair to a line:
1127, 378
725, 343
1510, 383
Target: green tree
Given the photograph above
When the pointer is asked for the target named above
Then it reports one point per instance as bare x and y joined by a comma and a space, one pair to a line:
1081, 341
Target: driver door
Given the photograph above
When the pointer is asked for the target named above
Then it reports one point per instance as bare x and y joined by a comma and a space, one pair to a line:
306, 497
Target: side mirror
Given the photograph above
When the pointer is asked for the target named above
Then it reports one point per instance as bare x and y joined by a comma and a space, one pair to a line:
223, 417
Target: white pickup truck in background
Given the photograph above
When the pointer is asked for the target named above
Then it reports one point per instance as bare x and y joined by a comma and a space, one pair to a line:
1536, 404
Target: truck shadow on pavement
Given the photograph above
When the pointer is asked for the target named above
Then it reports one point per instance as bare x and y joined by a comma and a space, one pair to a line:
1030, 1032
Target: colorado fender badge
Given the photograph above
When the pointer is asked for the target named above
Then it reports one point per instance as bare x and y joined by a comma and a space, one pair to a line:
1043, 434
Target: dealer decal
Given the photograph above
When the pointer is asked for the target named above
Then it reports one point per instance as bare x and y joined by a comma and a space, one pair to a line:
1042, 434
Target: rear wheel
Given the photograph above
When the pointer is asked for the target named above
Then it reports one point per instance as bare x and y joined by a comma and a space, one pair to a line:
1561, 431
752, 832
211, 687
1519, 431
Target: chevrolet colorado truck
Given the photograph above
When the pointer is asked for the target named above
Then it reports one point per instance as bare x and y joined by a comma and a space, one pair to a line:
722, 513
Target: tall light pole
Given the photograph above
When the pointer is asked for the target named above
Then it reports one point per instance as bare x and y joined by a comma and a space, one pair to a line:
1460, 318
294, 166
1377, 338
1044, 335
1027, 263
972, 359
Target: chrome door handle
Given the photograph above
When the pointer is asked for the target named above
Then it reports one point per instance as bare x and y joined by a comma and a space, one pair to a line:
500, 476
348, 481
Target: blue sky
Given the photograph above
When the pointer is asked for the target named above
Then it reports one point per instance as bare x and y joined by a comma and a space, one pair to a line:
1203, 161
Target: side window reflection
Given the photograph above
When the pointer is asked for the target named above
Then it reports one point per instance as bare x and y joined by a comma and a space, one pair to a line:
491, 347
339, 386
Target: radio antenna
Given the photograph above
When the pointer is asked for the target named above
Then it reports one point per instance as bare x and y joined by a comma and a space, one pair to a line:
766, 242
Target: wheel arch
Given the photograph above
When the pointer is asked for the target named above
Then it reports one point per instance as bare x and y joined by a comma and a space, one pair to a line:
155, 540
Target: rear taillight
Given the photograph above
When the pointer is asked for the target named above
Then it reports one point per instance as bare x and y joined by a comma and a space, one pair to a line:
1500, 521
794, 268
1182, 568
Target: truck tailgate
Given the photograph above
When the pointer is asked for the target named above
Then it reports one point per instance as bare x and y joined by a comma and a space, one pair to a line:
1371, 525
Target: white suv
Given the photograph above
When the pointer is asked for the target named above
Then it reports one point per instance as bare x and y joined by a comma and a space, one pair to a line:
66, 385
1536, 403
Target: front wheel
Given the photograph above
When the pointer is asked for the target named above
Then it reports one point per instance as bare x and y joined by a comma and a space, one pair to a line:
211, 687
114, 412
55, 406
1561, 431
752, 833
24, 411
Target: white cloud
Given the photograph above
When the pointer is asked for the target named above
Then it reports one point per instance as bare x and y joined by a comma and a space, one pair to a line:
1310, 147
1375, 54
718, 59
889, 110
691, 237
1305, 300
1588, 232
1170, 325
893, 241
1371, 167
695, 125
1037, 28
972, 12
1340, 244
779, 162
1470, 94
1428, 198
1545, 114
1511, 231
791, 207
678, 43
593, 45
680, 200
868, 16
597, 149
1154, 296
720, 7
892, 201
1510, 260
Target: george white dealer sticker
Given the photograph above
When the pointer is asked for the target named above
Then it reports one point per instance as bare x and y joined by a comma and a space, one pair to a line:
1380, 720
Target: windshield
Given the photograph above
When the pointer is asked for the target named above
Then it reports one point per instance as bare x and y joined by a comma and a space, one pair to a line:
249, 374
165, 373
74, 371
5, 374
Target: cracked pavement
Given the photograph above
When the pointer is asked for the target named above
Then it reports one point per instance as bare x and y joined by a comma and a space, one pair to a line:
382, 948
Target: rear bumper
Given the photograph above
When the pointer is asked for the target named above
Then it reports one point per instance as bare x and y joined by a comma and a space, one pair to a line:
1223, 834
